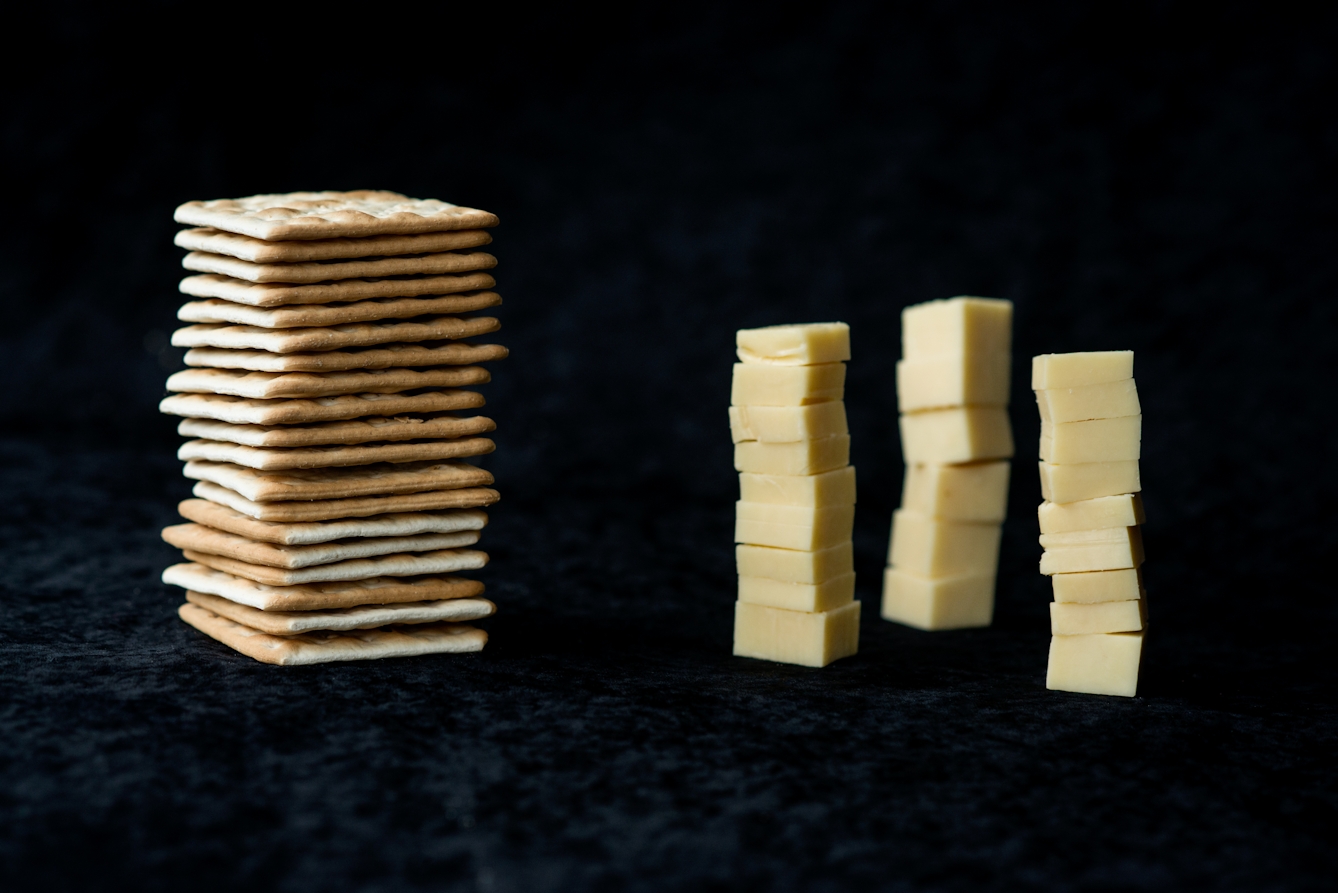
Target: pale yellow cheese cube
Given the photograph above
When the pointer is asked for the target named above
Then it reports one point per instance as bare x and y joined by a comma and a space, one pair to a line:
1068, 619
1101, 550
1077, 370
1102, 664
802, 345
1109, 400
1072, 483
962, 325
1098, 440
973, 492
787, 424
931, 547
794, 566
938, 603
787, 385
1125, 510
964, 434
814, 490
796, 637
1098, 586
792, 526
801, 457
975, 379
822, 596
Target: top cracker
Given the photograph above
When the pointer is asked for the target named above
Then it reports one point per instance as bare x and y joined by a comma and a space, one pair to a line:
326, 215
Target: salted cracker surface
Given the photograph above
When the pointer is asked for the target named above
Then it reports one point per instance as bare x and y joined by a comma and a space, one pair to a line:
288, 623
352, 431
199, 538
408, 564
319, 596
274, 294
212, 310
327, 215
215, 241
401, 524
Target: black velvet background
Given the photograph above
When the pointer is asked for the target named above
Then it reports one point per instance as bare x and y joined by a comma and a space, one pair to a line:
1152, 177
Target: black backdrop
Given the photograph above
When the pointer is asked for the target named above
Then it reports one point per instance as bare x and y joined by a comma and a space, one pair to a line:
1148, 177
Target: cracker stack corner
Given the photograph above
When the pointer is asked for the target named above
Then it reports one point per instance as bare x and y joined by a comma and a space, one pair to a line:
796, 601
333, 507
956, 440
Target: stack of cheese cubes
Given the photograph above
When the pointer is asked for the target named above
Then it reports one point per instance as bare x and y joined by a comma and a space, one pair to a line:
1091, 432
797, 507
952, 390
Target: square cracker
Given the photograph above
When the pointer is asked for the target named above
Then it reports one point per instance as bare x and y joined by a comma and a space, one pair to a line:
319, 596
338, 483
327, 647
352, 431
198, 538
290, 623
296, 316
329, 215
274, 294
401, 524
273, 385
384, 356
332, 270
332, 456
246, 411
363, 334
405, 564
360, 507
215, 241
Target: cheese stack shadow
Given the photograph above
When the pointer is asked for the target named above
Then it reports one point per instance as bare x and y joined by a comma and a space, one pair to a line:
796, 510
956, 440
327, 376
1091, 443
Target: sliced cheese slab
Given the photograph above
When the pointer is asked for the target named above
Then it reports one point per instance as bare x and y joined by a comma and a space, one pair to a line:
1067, 619
936, 603
977, 491
1098, 586
1125, 510
1103, 664
1076, 370
828, 488
1075, 483
931, 547
794, 566
796, 637
800, 345
788, 424
1110, 400
965, 434
804, 457
961, 325
810, 597
792, 527
787, 385
957, 379
1098, 440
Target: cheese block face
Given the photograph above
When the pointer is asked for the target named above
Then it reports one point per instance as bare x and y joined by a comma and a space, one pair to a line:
794, 566
930, 547
796, 637
804, 345
1074, 483
1111, 400
811, 597
962, 325
963, 434
1067, 619
944, 603
953, 380
975, 492
1098, 440
1113, 550
1098, 586
788, 424
1103, 664
1076, 370
787, 385
1103, 512
792, 527
801, 458
813, 490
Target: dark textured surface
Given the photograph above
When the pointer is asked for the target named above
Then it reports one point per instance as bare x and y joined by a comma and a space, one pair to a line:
1154, 181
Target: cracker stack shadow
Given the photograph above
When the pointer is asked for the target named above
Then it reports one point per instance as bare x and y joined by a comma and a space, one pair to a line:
334, 506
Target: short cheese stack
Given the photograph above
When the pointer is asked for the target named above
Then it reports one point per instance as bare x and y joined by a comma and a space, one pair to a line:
952, 390
332, 503
797, 507
1091, 432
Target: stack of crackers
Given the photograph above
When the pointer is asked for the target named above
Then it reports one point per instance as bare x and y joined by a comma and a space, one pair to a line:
333, 506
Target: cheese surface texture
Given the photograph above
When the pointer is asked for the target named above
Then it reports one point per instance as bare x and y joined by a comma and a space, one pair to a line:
796, 637
973, 492
1074, 483
822, 596
1122, 549
793, 566
938, 603
804, 457
962, 325
1112, 400
1096, 440
1098, 586
801, 345
1077, 370
787, 385
835, 487
953, 380
792, 527
962, 434
787, 424
931, 547
1102, 664
1125, 510
1067, 619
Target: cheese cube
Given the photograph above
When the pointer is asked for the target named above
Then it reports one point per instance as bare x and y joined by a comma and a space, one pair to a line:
1102, 664
801, 457
822, 596
974, 492
941, 603
787, 424
1104, 550
1067, 619
804, 345
793, 566
961, 325
796, 637
930, 547
977, 379
813, 490
792, 526
787, 385
1091, 514
1098, 440
964, 434
1098, 586
1073, 483
1111, 400
1077, 370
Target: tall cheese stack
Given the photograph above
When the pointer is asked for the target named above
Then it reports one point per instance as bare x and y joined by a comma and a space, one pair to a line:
797, 507
331, 503
952, 388
1091, 432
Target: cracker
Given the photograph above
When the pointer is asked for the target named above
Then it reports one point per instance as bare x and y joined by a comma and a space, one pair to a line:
199, 538
272, 294
363, 334
328, 647
442, 561
452, 354
338, 483
244, 411
360, 507
300, 315
259, 251
333, 456
289, 623
403, 524
377, 428
331, 270
273, 385
319, 596
329, 215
